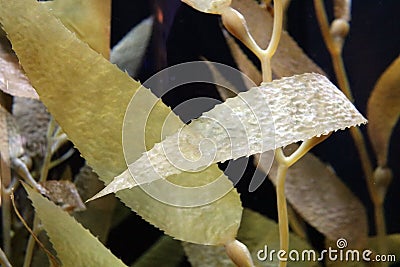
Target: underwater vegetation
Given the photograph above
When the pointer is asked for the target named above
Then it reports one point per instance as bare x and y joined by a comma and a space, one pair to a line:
206, 164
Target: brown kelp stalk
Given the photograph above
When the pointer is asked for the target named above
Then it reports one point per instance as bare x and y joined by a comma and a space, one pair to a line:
55, 139
236, 25
334, 37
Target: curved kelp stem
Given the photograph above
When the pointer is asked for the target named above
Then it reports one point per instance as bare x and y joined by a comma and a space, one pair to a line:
267, 54
284, 162
281, 203
236, 25
334, 37
50, 136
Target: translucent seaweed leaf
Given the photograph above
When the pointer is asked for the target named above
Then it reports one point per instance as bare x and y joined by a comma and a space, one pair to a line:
273, 115
129, 52
88, 97
209, 6
89, 19
321, 198
289, 58
311, 207
12, 79
383, 110
257, 232
166, 252
74, 244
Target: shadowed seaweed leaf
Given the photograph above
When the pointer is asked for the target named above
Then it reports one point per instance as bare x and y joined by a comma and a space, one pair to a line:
166, 252
74, 244
88, 97
257, 232
12, 79
384, 110
129, 52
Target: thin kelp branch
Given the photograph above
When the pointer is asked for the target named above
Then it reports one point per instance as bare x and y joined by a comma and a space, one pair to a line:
5, 205
214, 224
5, 176
235, 23
51, 257
284, 162
334, 37
52, 140
283, 220
267, 54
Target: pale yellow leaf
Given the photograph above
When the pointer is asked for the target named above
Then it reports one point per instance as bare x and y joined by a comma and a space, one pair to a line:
264, 118
74, 244
89, 19
88, 96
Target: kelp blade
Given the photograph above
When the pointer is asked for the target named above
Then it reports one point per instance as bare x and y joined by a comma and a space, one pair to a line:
74, 244
89, 19
88, 97
264, 118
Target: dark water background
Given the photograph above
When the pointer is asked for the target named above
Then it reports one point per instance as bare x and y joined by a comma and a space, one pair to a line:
185, 35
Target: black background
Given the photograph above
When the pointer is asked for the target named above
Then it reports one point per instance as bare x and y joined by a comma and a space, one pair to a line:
373, 43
